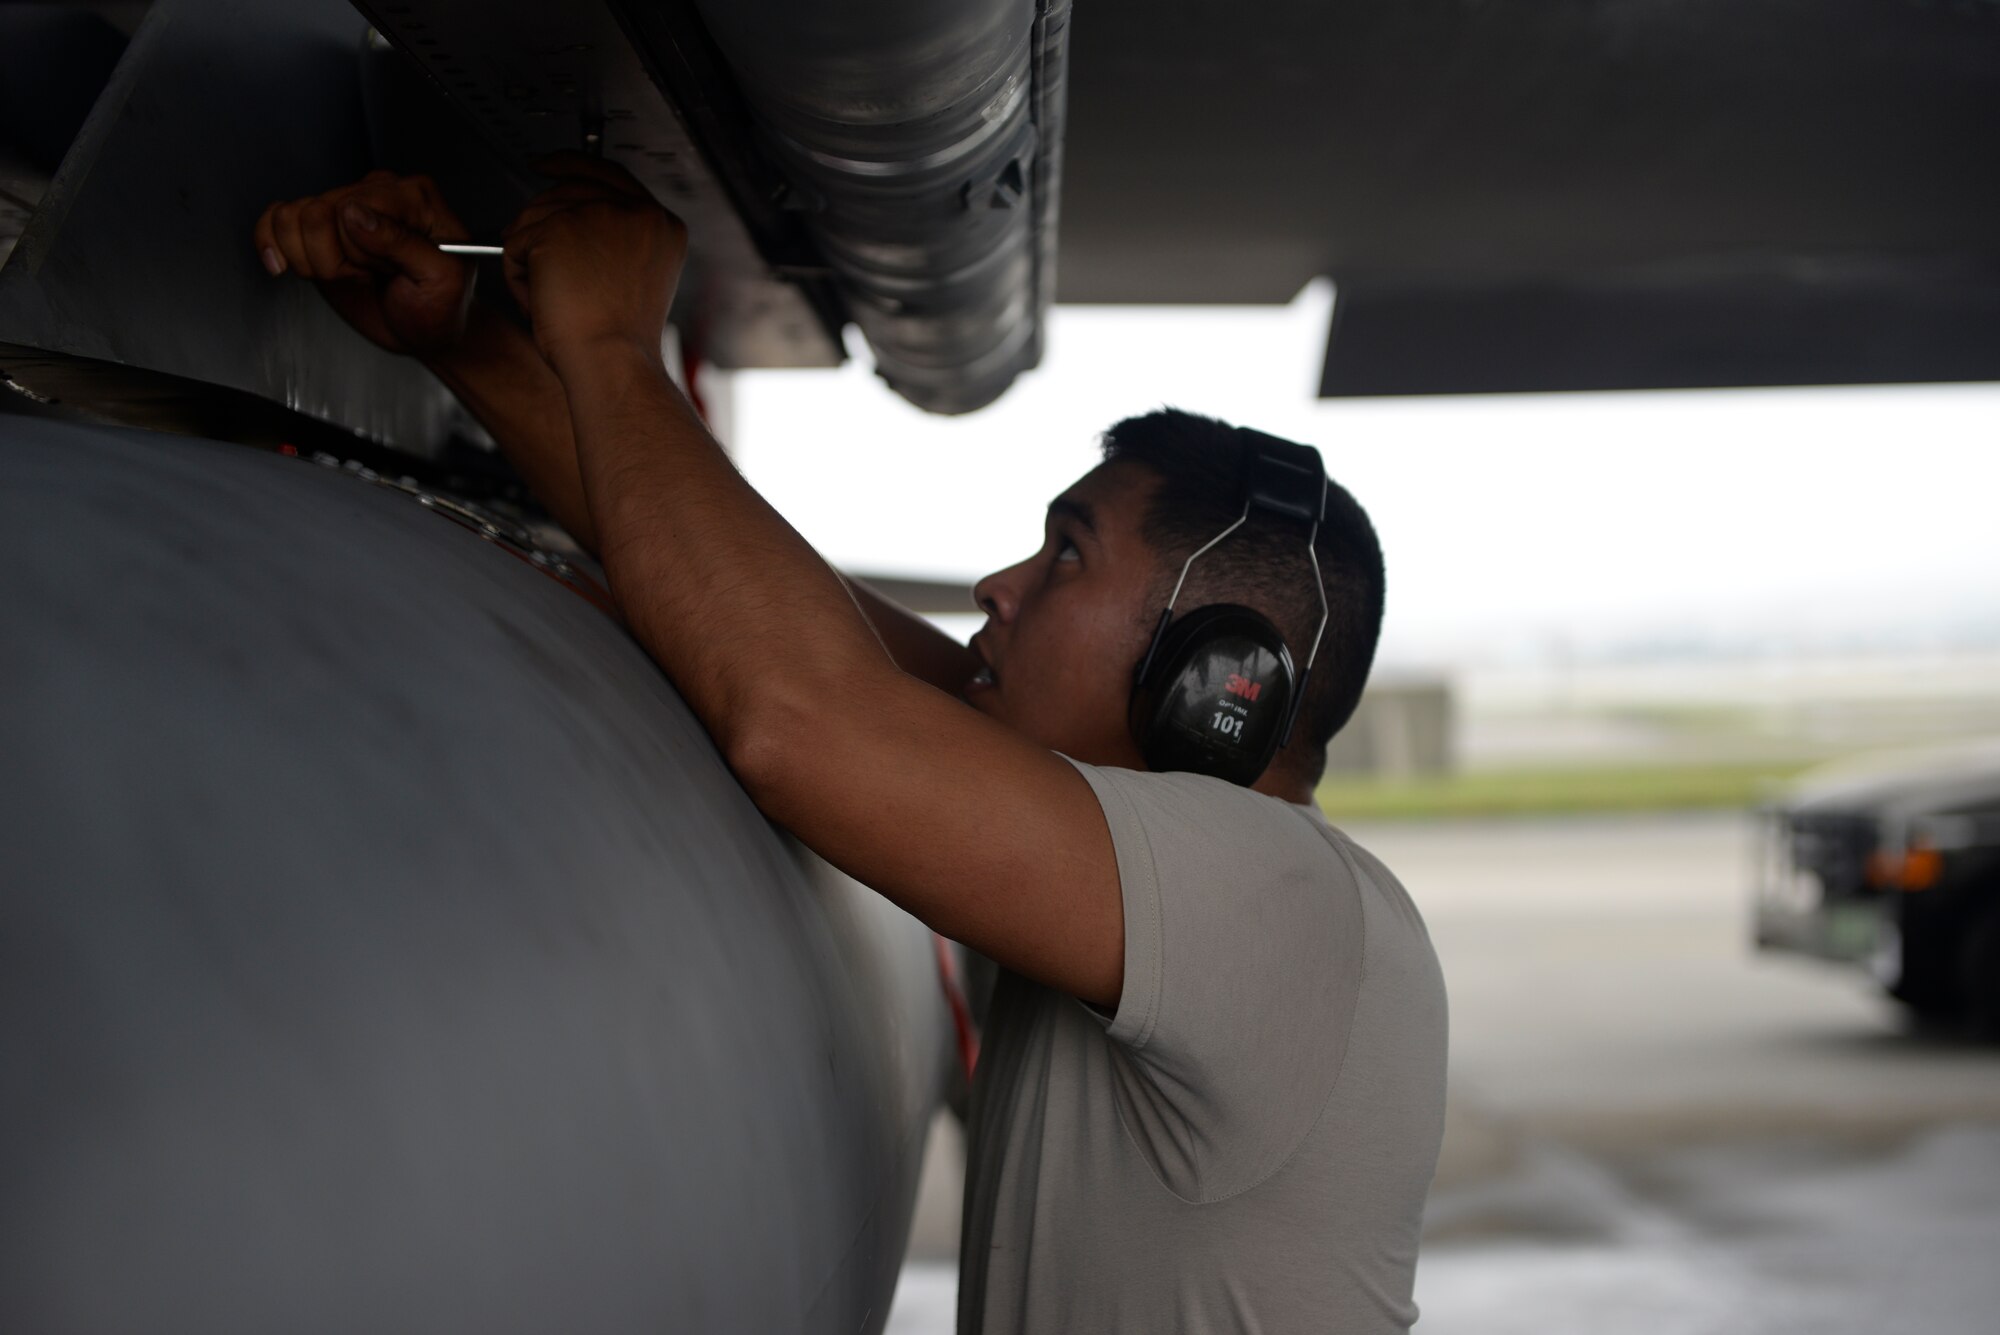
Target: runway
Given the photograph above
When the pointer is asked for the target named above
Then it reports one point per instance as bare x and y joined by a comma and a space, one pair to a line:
1652, 1129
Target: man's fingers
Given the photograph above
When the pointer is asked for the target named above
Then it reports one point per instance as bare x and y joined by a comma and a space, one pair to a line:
580, 192
559, 197
320, 235
387, 204
290, 243
311, 237
514, 268
578, 167
569, 194
386, 243
540, 209
265, 239
427, 211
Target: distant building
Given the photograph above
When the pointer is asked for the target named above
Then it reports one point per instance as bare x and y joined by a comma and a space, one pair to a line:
1403, 729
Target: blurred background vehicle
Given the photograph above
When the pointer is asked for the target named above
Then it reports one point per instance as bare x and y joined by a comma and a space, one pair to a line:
1894, 865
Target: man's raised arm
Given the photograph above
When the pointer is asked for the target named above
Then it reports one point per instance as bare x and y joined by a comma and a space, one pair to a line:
985, 836
919, 648
372, 247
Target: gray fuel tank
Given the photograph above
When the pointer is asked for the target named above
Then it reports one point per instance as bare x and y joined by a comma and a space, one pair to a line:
384, 947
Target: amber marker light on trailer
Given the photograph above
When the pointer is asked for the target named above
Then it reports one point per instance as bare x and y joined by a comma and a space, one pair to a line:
1917, 867
1922, 867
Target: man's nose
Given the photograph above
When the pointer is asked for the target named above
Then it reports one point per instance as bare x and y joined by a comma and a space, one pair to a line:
998, 595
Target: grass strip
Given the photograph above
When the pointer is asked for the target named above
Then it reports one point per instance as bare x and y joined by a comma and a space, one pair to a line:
1553, 792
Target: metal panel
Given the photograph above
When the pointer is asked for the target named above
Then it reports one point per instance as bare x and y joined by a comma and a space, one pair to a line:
1231, 154
54, 61
1670, 327
385, 947
537, 78
139, 256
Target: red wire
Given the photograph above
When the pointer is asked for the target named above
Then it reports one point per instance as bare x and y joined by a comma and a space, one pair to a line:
961, 1014
691, 365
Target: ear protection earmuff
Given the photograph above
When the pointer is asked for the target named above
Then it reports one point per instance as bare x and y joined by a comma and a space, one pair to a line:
1217, 693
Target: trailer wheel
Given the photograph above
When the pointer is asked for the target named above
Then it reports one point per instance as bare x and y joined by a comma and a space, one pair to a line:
1926, 977
1979, 973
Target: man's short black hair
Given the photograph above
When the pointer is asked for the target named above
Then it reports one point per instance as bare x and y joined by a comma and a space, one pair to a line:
1200, 463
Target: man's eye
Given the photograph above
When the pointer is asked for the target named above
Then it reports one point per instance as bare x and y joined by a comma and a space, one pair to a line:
1066, 550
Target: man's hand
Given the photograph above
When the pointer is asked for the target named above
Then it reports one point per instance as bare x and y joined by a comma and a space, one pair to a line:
594, 260
372, 248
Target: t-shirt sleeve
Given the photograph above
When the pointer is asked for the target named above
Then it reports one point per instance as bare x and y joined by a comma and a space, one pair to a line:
1243, 952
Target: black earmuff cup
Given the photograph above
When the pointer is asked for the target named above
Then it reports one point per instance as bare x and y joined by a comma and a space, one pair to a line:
1217, 695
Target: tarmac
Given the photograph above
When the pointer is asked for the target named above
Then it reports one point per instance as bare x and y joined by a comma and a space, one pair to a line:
1652, 1129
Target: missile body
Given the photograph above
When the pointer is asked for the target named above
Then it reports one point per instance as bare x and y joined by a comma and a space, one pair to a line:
383, 945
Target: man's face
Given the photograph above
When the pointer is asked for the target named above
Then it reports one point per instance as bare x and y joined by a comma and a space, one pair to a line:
1065, 627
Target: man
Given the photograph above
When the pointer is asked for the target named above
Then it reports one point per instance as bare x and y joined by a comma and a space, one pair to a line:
1212, 1088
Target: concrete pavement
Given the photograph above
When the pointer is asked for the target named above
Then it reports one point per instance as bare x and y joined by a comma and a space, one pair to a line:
1653, 1129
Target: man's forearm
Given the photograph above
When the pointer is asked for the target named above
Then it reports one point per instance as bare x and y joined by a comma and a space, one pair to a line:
721, 591
919, 648
500, 377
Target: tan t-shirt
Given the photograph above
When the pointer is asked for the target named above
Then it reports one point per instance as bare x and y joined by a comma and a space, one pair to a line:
1246, 1144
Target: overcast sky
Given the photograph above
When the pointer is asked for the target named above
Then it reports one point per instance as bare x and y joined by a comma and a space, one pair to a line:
1511, 523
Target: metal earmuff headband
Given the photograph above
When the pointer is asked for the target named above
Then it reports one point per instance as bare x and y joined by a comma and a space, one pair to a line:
1280, 479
